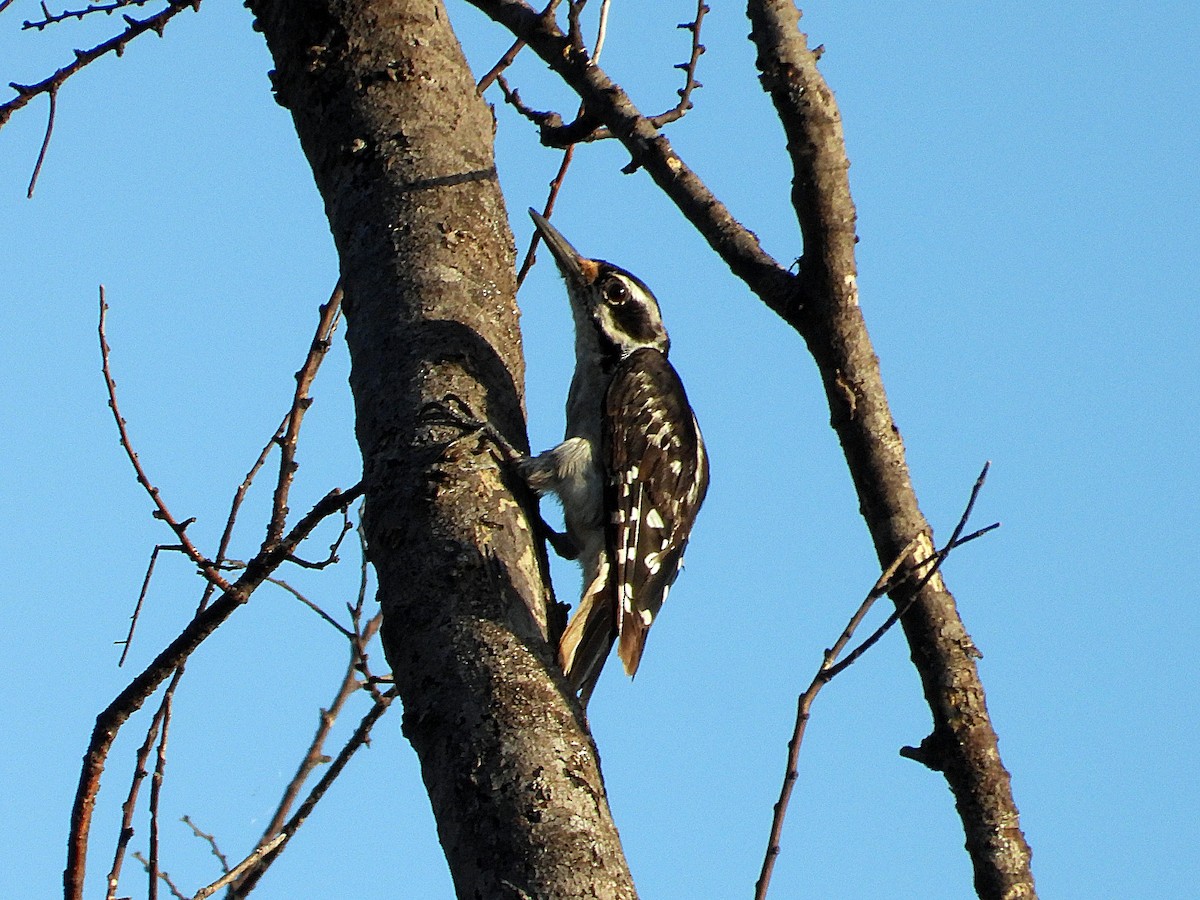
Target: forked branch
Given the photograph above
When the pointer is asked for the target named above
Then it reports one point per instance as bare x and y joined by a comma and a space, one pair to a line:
821, 302
906, 567
274, 552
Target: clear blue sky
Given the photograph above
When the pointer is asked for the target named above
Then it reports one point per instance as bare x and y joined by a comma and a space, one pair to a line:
1027, 189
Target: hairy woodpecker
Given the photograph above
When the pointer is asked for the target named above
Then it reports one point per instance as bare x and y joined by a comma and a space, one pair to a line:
631, 471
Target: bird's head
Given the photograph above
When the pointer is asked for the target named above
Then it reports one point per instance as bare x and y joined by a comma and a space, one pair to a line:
615, 305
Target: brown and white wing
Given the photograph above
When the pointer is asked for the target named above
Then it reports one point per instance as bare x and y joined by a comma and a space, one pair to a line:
658, 478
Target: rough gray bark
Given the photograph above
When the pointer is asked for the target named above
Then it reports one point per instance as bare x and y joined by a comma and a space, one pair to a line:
401, 150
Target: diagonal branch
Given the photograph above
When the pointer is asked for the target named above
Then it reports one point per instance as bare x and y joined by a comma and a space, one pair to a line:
161, 511
904, 566
134, 28
650, 150
821, 302
270, 849
330, 313
963, 744
130, 700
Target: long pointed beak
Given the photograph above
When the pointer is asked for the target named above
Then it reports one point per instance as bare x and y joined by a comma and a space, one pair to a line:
574, 267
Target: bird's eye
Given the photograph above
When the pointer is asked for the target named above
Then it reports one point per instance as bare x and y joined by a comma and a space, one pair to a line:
615, 291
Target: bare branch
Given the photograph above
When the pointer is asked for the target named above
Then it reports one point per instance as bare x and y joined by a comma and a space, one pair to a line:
235, 507
587, 126
256, 856
166, 879
135, 28
129, 700
160, 765
556, 184
137, 609
127, 808
208, 839
690, 83
345, 632
333, 557
736, 245
358, 739
161, 512
315, 754
49, 18
330, 313
37, 168
509, 56
894, 574
307, 373
956, 540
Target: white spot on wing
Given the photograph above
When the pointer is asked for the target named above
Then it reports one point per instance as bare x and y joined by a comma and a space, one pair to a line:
647, 617
653, 519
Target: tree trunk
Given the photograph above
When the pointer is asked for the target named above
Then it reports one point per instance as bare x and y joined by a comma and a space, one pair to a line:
401, 150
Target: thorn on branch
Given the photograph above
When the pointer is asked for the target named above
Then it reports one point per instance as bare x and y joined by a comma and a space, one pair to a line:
49, 18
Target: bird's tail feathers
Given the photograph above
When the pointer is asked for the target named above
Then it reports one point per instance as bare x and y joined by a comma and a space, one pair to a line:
589, 636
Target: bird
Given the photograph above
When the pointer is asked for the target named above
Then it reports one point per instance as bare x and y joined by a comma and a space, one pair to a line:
632, 470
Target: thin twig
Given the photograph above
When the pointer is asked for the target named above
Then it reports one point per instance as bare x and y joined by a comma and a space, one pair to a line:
235, 507
255, 857
560, 176
127, 808
37, 168
315, 755
129, 700
156, 782
330, 313
239, 496
737, 246
208, 839
171, 660
893, 576
509, 56
586, 126
358, 739
180, 528
334, 548
166, 879
690, 83
279, 582
137, 609
556, 184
